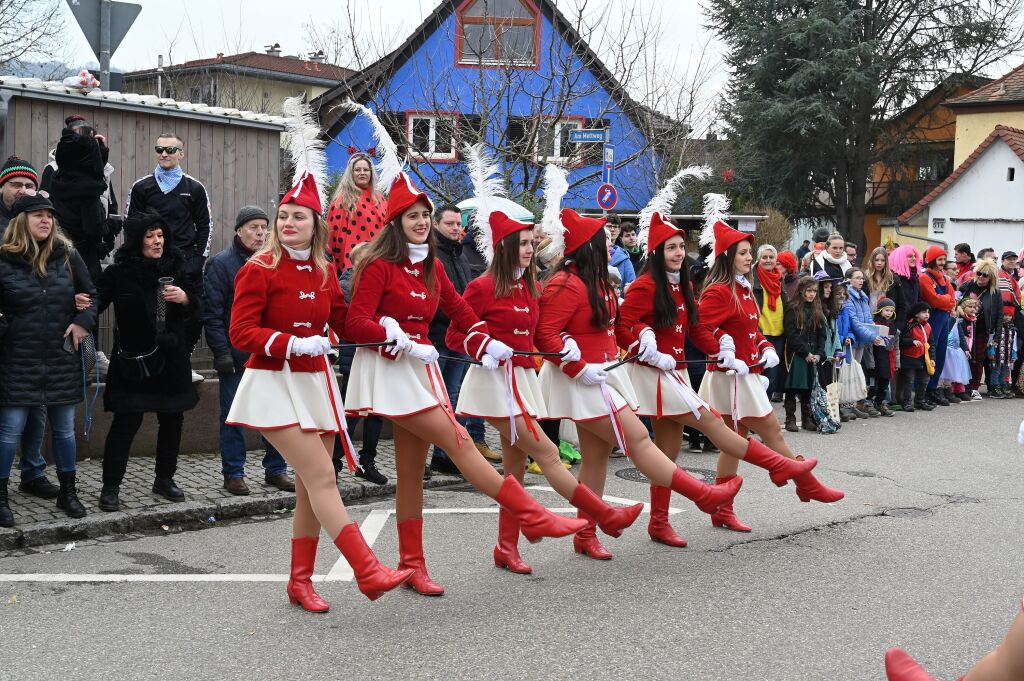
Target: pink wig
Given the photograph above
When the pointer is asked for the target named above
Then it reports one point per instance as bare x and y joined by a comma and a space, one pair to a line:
898, 260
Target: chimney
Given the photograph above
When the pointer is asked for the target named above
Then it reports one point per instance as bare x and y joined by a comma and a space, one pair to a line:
317, 57
273, 50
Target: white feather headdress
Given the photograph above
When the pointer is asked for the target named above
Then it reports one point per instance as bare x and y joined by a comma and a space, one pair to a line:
716, 207
556, 184
663, 201
485, 174
305, 146
389, 165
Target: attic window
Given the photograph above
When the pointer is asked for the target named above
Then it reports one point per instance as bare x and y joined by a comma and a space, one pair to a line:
498, 33
1010, 174
432, 136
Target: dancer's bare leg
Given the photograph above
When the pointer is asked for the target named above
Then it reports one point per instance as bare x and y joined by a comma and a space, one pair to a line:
727, 465
596, 451
410, 458
668, 435
543, 451
648, 459
1005, 663
771, 433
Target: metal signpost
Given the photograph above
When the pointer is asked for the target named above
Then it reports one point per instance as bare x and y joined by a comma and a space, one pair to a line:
105, 23
607, 195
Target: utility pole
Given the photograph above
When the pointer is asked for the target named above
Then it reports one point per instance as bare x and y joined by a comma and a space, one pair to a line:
105, 44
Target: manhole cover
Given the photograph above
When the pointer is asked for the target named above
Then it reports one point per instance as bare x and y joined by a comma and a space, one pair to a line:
633, 475
906, 512
862, 474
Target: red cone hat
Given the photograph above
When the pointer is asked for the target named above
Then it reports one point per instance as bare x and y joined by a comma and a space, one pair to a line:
726, 236
660, 232
502, 225
579, 229
402, 196
305, 193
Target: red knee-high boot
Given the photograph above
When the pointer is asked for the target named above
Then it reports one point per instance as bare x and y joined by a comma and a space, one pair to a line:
410, 555
659, 528
506, 553
372, 578
610, 519
300, 586
586, 542
725, 516
708, 499
809, 488
900, 666
780, 469
535, 521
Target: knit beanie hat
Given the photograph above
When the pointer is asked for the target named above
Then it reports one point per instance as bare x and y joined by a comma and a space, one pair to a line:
883, 303
15, 167
250, 213
136, 226
917, 307
788, 260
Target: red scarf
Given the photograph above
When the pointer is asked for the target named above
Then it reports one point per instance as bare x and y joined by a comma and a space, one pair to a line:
771, 282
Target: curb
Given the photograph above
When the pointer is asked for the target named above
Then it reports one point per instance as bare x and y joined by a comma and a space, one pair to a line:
188, 515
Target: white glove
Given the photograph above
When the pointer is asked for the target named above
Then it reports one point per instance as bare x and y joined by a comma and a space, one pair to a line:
313, 346
770, 358
726, 344
423, 352
570, 351
592, 375
664, 362
648, 350
489, 362
739, 367
395, 333
726, 358
498, 350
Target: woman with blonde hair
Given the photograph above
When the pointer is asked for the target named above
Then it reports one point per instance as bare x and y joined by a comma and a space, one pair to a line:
878, 275
356, 213
984, 288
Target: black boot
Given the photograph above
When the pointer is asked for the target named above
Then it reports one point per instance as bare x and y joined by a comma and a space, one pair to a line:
789, 403
110, 499
369, 473
67, 496
6, 517
166, 488
806, 421
936, 397
39, 487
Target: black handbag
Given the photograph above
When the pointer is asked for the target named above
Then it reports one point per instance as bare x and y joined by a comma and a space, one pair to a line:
138, 366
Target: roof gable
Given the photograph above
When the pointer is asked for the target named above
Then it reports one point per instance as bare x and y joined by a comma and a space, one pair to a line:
1013, 137
1006, 90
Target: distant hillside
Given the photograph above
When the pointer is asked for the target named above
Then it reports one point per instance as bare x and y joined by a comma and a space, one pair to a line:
48, 70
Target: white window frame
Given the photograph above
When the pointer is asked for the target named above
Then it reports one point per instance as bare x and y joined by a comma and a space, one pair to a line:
430, 154
575, 153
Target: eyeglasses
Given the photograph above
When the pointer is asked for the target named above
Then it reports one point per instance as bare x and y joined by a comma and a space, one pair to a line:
167, 150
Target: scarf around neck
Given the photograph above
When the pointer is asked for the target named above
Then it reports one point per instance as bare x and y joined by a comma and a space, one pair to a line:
771, 282
418, 252
167, 180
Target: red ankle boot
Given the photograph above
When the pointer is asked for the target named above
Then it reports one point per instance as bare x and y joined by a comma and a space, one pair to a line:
900, 666
300, 586
372, 578
808, 487
780, 469
659, 527
610, 519
506, 553
410, 555
708, 499
535, 521
586, 542
725, 517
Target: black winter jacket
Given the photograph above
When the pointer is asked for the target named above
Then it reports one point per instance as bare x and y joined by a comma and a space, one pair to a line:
453, 255
218, 297
36, 311
130, 285
905, 293
990, 316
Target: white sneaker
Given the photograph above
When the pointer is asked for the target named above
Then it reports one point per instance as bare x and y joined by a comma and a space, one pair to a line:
197, 377
975, 396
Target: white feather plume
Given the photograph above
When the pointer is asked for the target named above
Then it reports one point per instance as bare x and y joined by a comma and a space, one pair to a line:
716, 207
305, 146
389, 165
663, 201
485, 174
556, 184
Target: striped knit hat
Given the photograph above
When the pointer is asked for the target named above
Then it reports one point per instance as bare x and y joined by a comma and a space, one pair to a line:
14, 167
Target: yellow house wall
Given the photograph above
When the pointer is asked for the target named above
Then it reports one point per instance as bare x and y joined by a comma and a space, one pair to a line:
263, 95
973, 128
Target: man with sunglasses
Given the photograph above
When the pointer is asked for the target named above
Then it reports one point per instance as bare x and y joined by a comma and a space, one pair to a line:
180, 199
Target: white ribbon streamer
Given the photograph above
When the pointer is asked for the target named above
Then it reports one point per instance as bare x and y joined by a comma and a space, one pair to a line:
610, 404
510, 399
692, 400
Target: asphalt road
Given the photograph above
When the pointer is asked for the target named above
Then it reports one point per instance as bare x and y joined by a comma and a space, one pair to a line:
924, 552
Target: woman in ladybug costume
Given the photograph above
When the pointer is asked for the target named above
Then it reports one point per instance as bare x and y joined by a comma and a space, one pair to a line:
728, 326
579, 303
508, 394
656, 316
396, 290
356, 213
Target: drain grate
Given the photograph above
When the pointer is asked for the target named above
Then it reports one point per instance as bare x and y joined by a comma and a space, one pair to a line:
633, 475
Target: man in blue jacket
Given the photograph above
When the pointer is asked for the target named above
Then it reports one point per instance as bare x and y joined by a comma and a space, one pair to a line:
219, 283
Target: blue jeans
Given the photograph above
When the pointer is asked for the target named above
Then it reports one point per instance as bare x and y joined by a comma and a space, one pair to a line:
13, 421
232, 438
453, 373
32, 463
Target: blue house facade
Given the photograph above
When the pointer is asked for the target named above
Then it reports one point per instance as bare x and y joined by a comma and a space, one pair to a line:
511, 73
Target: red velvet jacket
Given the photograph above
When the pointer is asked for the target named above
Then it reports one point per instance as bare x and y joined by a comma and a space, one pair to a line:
512, 319
273, 306
565, 311
719, 315
397, 290
637, 314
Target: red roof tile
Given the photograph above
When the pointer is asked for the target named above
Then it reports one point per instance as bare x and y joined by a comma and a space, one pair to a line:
1006, 90
265, 62
1013, 137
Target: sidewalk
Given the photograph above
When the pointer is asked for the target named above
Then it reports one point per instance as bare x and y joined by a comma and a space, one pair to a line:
40, 522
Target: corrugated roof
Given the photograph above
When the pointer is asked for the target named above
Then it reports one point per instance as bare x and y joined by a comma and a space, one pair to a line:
1013, 137
1006, 90
263, 62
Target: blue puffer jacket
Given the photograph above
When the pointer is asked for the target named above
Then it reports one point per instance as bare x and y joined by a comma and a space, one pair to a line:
857, 310
620, 261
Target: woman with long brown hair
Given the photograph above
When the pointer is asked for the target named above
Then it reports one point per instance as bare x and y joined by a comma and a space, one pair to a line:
398, 286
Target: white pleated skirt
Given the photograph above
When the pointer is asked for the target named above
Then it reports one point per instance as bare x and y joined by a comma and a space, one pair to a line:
567, 398
659, 395
485, 394
270, 400
398, 387
750, 397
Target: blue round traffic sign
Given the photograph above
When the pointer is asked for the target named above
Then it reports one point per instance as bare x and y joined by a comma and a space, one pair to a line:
607, 196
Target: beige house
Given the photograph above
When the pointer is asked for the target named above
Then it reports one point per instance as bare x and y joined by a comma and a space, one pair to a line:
1001, 102
253, 81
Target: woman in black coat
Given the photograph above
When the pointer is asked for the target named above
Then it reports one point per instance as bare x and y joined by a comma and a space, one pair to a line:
150, 369
41, 325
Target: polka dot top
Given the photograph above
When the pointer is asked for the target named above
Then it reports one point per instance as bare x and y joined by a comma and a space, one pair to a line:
348, 229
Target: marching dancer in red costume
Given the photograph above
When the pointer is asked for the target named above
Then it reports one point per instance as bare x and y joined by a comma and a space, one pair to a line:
284, 297
658, 312
397, 288
509, 396
578, 303
728, 325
